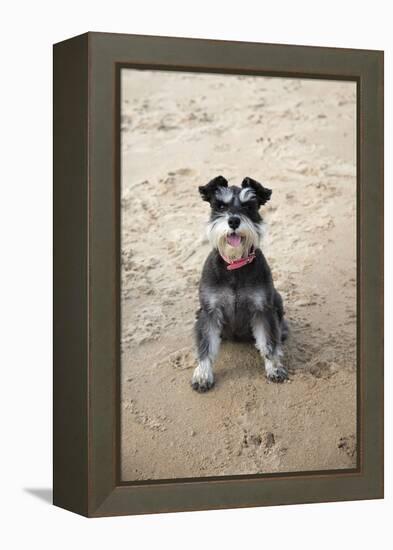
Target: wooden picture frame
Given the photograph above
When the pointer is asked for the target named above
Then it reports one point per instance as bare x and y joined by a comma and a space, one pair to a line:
87, 273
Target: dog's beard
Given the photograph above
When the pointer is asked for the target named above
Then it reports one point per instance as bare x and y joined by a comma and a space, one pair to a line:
250, 233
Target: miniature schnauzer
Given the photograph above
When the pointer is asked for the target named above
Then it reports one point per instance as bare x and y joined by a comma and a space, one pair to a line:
236, 293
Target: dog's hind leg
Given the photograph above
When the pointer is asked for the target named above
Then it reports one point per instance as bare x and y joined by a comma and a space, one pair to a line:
267, 333
284, 330
208, 328
283, 323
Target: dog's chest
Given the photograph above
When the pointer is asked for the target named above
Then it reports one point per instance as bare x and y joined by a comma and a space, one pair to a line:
234, 302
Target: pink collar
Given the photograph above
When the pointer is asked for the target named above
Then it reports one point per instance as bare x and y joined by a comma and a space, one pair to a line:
236, 264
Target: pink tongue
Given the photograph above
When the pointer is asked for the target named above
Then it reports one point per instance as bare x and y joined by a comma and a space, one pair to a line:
234, 240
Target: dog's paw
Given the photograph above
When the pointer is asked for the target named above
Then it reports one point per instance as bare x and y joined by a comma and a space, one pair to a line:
202, 380
276, 373
202, 387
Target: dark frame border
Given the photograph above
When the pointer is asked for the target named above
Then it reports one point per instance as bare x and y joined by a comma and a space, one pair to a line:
95, 468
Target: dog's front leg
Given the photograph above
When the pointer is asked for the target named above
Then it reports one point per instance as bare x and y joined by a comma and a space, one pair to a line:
267, 334
208, 339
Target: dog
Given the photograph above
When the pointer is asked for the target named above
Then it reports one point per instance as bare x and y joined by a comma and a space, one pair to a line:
237, 297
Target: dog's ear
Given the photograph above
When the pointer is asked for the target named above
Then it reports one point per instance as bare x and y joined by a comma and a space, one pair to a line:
208, 191
262, 194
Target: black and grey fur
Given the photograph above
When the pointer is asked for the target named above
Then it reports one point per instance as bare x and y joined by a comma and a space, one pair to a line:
242, 304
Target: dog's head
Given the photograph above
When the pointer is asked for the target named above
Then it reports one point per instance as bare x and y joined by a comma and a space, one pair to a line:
235, 221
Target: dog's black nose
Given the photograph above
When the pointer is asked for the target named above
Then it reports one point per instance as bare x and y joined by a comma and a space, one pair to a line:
234, 222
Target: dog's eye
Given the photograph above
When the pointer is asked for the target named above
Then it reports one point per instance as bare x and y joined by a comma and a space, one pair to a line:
220, 206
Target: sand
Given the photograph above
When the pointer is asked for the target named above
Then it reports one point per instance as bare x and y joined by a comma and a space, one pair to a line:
297, 137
